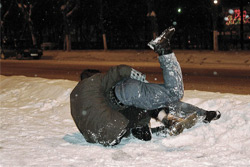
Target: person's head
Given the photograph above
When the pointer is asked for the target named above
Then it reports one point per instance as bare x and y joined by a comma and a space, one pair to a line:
88, 73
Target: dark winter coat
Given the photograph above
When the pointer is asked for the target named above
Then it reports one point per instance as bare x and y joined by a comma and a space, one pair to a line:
95, 116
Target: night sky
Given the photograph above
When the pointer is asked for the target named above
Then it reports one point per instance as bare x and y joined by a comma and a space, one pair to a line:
125, 23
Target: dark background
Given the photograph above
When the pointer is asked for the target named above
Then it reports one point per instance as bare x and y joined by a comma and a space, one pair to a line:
127, 24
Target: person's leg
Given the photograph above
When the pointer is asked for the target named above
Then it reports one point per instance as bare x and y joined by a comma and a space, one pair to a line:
180, 115
150, 96
183, 110
88, 73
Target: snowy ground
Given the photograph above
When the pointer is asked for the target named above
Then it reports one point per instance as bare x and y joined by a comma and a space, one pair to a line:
37, 130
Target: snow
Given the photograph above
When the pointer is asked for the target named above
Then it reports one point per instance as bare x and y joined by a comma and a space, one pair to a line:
37, 130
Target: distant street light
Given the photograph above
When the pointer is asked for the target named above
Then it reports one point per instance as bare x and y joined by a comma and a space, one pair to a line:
215, 1
179, 10
231, 11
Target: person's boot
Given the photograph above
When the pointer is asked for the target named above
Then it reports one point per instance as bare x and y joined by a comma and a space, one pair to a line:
161, 44
142, 133
211, 115
186, 123
169, 120
176, 125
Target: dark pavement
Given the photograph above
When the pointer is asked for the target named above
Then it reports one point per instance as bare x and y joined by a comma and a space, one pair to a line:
227, 72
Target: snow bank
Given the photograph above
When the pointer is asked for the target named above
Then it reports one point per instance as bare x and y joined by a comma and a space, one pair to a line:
37, 130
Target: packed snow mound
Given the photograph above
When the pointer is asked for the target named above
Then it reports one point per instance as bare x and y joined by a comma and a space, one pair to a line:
37, 130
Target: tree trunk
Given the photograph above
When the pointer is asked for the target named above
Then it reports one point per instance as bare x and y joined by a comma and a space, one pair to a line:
215, 32
105, 47
241, 26
215, 39
27, 11
67, 43
152, 18
104, 42
32, 34
67, 9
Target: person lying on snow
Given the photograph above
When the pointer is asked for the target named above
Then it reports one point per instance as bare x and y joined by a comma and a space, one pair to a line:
109, 106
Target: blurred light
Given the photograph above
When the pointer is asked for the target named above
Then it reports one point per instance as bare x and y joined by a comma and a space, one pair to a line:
179, 10
226, 18
215, 1
0, 5
231, 11
247, 16
174, 23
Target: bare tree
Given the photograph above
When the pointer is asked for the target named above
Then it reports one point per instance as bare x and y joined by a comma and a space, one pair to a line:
102, 26
152, 17
6, 13
3, 20
26, 9
68, 7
